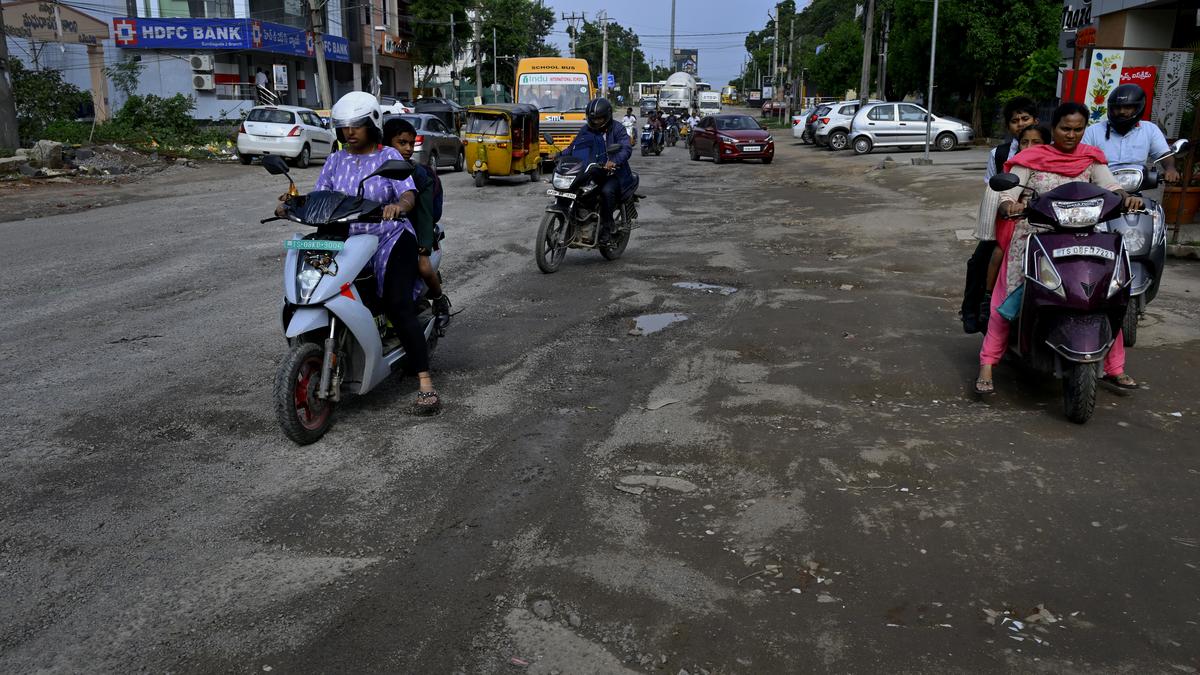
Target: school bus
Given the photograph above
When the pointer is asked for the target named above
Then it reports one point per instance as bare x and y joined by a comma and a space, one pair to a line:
560, 88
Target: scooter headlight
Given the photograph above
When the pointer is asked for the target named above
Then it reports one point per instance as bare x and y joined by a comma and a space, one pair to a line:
1134, 239
1129, 179
562, 181
308, 278
1078, 214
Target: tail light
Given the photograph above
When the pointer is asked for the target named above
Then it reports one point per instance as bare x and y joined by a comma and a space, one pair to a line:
242, 128
295, 131
418, 141
795, 121
824, 120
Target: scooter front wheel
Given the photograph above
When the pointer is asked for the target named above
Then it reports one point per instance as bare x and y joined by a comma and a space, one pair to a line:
303, 417
1130, 326
1079, 392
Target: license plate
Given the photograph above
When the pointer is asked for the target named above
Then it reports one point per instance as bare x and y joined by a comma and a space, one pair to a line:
314, 245
556, 193
1088, 251
751, 148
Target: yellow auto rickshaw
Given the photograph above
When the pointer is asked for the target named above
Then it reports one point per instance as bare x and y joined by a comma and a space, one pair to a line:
502, 139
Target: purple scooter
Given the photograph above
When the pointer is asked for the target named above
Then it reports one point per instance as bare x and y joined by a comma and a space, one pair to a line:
1076, 288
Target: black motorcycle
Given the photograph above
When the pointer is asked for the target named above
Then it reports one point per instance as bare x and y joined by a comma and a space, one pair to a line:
572, 220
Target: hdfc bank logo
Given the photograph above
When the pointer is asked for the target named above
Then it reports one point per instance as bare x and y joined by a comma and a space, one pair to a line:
126, 32
256, 34
310, 44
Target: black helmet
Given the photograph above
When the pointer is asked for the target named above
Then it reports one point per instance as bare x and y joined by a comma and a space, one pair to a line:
1126, 95
599, 113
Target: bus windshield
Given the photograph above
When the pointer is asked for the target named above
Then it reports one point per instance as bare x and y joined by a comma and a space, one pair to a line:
559, 92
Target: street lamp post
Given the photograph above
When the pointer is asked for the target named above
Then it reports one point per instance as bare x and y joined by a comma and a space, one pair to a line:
929, 99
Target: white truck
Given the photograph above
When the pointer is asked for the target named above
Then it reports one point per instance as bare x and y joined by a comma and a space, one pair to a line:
678, 95
709, 102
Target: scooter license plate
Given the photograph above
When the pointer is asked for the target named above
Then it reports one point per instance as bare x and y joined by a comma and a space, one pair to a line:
314, 245
556, 193
751, 148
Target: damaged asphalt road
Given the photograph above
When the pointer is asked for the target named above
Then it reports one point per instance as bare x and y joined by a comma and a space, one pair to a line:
785, 477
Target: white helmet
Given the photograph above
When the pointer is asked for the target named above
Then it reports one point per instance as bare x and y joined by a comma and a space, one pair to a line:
356, 109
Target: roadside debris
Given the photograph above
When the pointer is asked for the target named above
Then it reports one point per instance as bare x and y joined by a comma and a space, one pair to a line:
666, 482
661, 403
846, 287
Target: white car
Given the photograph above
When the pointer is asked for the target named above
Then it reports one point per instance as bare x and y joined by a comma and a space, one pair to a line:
394, 106
298, 134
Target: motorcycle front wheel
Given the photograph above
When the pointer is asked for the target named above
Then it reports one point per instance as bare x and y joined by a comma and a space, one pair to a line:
1079, 392
303, 417
1130, 326
551, 246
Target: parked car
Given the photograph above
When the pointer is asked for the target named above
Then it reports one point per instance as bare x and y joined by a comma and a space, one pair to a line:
832, 129
436, 145
799, 124
730, 137
395, 106
901, 124
772, 107
298, 134
811, 121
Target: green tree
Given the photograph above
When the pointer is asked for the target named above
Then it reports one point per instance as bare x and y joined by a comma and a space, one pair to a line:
430, 20
125, 75
839, 65
43, 97
521, 28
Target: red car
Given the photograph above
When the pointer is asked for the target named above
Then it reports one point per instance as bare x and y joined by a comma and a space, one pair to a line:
728, 137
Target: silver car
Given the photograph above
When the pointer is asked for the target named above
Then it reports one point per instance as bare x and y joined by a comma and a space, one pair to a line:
833, 128
436, 145
903, 124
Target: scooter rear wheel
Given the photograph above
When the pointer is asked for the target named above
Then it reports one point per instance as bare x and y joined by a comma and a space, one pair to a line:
303, 417
1130, 326
1079, 392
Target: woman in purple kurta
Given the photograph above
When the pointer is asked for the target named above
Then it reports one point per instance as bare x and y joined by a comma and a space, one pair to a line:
395, 262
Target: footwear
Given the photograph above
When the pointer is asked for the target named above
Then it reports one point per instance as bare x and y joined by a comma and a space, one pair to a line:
428, 403
441, 305
984, 387
605, 235
1121, 381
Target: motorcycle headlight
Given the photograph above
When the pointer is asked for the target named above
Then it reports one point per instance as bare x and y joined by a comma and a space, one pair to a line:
1129, 179
308, 278
562, 181
1134, 239
1079, 214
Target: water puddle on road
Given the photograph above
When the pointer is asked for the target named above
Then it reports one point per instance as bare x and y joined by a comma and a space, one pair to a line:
653, 323
707, 288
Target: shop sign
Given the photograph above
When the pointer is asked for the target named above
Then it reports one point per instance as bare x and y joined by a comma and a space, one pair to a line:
394, 46
1076, 14
279, 71
184, 34
42, 21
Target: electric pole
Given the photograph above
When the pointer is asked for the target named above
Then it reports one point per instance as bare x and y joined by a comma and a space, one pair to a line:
603, 19
573, 20
883, 54
453, 56
9, 137
316, 24
374, 51
495, 59
790, 77
775, 54
929, 101
476, 33
671, 55
864, 83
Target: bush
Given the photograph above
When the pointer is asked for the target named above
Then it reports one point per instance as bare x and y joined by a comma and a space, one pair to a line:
42, 97
168, 117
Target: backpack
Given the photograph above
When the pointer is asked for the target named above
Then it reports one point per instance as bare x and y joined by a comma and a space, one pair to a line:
427, 178
1002, 152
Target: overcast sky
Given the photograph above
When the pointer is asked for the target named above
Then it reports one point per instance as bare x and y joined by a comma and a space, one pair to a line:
721, 56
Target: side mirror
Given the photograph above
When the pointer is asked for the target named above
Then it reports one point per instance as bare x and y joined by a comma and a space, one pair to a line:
274, 165
394, 169
1004, 181
548, 138
1177, 148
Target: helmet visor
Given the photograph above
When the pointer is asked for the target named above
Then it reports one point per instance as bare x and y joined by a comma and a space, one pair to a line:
360, 121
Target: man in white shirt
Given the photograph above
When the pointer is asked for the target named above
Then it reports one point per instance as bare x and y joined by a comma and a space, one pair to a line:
1124, 138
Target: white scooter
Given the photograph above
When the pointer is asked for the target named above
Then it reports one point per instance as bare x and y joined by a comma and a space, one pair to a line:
337, 333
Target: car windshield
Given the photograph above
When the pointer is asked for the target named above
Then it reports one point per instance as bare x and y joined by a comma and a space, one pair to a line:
737, 123
496, 125
272, 116
560, 92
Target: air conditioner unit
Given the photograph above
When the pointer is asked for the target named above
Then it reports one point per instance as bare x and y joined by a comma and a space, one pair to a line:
203, 81
201, 62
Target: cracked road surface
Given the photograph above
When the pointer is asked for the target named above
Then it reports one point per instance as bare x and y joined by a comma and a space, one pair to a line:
793, 479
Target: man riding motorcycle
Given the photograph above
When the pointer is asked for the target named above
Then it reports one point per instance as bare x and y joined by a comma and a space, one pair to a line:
593, 141
1125, 140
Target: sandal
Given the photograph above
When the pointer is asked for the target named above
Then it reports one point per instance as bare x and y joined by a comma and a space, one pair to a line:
1122, 381
984, 387
428, 403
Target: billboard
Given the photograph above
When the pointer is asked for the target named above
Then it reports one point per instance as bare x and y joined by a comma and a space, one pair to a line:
686, 61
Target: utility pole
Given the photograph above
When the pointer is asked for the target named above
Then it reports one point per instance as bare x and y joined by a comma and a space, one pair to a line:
9, 138
775, 47
574, 19
790, 73
374, 51
476, 33
453, 56
864, 83
495, 58
929, 99
316, 24
671, 55
603, 18
883, 54
629, 87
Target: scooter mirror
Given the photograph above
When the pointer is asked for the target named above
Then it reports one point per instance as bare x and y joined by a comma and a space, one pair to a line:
274, 165
1004, 181
1177, 148
394, 169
